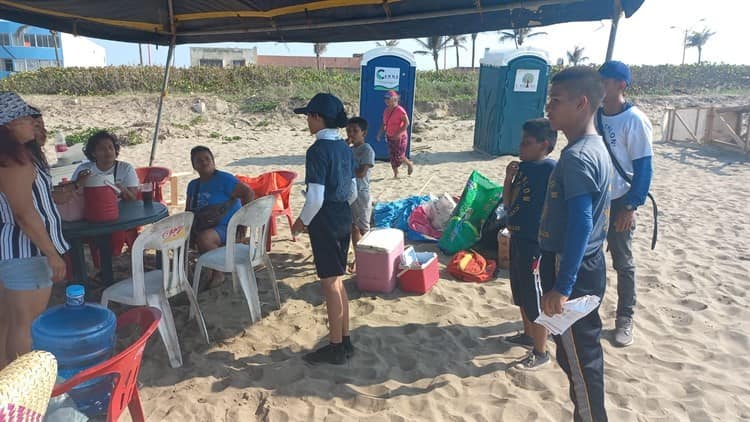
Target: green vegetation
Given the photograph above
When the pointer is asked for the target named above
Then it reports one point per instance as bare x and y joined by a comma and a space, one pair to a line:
215, 135
131, 137
269, 89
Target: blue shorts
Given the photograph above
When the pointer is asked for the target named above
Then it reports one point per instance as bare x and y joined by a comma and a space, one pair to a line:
221, 230
26, 273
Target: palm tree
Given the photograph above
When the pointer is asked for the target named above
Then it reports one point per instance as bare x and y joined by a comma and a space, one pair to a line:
458, 40
698, 40
319, 48
473, 47
387, 43
519, 35
433, 45
576, 56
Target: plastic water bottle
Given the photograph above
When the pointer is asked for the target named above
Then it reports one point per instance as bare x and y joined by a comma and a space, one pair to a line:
80, 335
60, 145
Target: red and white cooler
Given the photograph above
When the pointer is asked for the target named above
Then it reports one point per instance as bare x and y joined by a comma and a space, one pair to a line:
378, 257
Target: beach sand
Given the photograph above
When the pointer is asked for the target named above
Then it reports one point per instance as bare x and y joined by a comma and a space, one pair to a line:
439, 356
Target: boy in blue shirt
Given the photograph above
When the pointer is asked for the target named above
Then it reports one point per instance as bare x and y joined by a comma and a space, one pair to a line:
327, 218
574, 225
524, 188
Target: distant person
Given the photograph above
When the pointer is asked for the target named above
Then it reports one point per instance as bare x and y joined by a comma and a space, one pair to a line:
395, 127
212, 192
572, 232
364, 158
102, 150
31, 239
525, 187
628, 131
327, 218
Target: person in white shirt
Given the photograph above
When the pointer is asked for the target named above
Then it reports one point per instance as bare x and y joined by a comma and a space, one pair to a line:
102, 150
627, 131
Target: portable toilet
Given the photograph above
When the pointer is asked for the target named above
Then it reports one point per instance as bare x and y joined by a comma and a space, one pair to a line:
385, 69
512, 89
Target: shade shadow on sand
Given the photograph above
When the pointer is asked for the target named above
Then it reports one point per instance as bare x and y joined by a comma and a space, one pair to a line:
705, 157
275, 161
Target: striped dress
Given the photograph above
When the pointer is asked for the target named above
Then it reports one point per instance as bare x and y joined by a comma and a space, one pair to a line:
14, 244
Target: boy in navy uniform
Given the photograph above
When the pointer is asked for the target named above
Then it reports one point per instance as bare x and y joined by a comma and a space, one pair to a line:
572, 232
525, 187
327, 217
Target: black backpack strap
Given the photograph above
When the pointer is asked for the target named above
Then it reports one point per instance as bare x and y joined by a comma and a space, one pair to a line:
624, 175
195, 195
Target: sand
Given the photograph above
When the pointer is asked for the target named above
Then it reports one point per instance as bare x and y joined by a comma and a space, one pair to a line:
439, 356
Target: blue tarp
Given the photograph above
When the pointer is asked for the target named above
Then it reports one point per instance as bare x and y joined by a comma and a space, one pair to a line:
199, 21
396, 215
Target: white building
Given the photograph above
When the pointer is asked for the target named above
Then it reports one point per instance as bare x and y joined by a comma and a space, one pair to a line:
222, 57
82, 52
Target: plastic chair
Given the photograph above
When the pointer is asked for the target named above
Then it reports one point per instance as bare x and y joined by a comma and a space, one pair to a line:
154, 288
125, 366
241, 259
158, 176
25, 386
279, 184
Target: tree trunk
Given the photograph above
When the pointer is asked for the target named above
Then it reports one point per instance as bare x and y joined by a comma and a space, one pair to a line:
700, 53
457, 64
435, 57
317, 60
54, 44
473, 49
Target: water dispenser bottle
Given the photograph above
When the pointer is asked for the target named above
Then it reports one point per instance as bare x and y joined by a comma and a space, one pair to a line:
80, 335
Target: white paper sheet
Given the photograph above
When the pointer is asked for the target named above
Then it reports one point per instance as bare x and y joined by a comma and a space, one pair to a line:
573, 310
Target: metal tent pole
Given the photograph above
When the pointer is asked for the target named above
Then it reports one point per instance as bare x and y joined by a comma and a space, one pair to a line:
164, 84
616, 12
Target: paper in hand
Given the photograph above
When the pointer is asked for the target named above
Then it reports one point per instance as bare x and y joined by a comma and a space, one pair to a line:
573, 310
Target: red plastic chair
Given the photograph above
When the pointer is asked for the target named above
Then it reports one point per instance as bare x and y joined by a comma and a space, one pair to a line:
158, 176
125, 366
279, 184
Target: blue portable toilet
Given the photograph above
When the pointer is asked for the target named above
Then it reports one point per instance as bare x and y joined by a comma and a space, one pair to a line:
385, 69
512, 89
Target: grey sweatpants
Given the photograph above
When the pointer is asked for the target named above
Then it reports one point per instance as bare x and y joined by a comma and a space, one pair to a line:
620, 245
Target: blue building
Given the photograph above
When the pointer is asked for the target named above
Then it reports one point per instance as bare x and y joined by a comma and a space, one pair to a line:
24, 47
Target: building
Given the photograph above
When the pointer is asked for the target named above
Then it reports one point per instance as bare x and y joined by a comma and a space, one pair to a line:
82, 52
348, 63
24, 47
222, 57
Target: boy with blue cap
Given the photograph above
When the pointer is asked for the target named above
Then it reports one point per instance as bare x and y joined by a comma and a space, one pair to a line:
327, 217
628, 132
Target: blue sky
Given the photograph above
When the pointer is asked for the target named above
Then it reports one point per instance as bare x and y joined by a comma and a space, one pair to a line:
649, 37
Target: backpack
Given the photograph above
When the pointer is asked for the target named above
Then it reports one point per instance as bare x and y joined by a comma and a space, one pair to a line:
471, 266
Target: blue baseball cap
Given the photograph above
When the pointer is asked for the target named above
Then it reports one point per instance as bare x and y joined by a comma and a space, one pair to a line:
614, 69
327, 105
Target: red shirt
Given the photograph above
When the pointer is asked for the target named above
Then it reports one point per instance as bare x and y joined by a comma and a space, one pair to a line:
392, 120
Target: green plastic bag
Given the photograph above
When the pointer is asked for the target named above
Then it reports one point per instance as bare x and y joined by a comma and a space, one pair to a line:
478, 200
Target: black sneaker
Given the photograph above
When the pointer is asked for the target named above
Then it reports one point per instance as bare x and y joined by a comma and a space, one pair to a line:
348, 347
333, 354
520, 339
533, 361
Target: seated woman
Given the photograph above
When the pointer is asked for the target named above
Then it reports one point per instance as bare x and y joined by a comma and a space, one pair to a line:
102, 150
213, 187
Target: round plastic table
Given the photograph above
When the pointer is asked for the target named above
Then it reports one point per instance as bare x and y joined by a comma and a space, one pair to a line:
132, 214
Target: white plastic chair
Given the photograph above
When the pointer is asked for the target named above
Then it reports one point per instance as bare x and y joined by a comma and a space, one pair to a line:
169, 236
240, 259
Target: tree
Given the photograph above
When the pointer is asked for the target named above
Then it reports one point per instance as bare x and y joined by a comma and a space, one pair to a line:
319, 48
576, 56
698, 40
387, 43
473, 47
432, 46
458, 40
519, 35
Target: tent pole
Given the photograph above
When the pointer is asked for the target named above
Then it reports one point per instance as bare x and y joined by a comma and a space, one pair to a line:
164, 84
616, 12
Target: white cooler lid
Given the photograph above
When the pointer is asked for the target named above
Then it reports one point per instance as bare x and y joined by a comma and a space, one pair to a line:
381, 240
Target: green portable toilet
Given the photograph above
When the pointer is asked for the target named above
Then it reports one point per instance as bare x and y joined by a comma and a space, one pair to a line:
512, 89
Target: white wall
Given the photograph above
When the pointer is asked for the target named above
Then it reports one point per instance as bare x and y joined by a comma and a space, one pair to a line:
82, 52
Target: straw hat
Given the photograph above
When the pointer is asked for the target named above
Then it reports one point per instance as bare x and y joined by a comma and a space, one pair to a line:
26, 385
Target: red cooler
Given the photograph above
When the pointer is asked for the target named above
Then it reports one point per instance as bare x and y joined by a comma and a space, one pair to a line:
378, 257
422, 275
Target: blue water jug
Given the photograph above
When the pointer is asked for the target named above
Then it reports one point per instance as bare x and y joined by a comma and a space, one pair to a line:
80, 335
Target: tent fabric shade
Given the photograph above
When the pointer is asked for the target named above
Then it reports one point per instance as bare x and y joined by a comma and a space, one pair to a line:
202, 21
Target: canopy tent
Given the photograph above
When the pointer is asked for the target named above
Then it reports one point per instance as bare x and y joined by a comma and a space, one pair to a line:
171, 22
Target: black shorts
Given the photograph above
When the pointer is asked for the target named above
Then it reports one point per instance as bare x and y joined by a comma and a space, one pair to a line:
330, 232
522, 255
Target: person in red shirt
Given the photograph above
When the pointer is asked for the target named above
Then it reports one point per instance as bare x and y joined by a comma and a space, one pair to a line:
395, 126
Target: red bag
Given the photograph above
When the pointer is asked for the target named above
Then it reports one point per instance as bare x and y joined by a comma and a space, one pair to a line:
471, 266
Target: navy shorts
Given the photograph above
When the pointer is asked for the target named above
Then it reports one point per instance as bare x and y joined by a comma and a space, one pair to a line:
330, 233
522, 255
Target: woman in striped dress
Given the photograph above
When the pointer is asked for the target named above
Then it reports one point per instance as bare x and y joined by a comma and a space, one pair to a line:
31, 240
